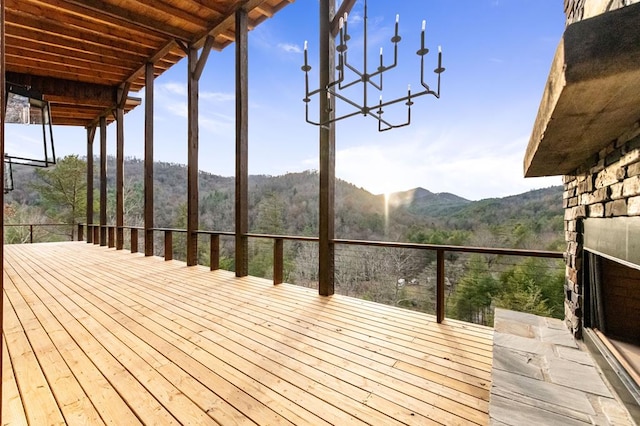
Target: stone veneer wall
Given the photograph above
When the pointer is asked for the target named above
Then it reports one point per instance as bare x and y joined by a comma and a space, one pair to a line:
607, 187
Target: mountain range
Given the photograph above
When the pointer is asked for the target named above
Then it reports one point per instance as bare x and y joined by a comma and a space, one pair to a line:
288, 204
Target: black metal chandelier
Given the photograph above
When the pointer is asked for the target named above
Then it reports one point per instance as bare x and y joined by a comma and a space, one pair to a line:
368, 79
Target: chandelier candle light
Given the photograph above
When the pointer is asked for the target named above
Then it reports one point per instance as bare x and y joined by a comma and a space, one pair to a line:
333, 89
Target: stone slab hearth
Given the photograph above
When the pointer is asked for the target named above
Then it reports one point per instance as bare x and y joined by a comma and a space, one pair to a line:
542, 376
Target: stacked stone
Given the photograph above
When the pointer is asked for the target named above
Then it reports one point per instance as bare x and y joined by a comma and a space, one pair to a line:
607, 186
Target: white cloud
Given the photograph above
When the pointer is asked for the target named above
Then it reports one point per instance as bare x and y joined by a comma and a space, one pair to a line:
219, 124
176, 108
289, 47
217, 96
174, 88
439, 166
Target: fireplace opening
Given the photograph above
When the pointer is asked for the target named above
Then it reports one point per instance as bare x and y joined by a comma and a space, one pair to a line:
614, 305
611, 317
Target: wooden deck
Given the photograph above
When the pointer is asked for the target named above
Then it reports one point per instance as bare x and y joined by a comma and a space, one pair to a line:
94, 336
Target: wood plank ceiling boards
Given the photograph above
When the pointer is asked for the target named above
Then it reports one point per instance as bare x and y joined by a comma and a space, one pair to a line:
79, 52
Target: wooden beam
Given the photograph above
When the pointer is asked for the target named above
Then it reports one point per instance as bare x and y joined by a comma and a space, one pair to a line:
345, 7
206, 49
102, 8
326, 228
242, 143
103, 181
122, 96
63, 32
148, 160
192, 158
77, 15
91, 134
66, 88
160, 53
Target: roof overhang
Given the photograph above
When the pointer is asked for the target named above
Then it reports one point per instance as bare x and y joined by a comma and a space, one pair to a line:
592, 95
80, 53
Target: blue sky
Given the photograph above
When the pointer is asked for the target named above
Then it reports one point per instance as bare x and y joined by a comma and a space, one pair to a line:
470, 142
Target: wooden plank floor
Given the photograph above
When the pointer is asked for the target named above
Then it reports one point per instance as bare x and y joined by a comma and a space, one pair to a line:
98, 336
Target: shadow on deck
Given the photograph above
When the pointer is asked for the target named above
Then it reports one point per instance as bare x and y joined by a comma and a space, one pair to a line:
94, 335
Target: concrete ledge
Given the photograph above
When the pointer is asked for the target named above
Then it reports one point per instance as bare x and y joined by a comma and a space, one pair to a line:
542, 376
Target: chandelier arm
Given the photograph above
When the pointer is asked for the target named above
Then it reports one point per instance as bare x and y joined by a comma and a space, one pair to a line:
346, 86
388, 125
349, 101
355, 70
376, 86
425, 85
307, 116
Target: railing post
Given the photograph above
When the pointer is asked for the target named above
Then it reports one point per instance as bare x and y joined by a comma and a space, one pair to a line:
440, 275
168, 245
80, 232
31, 233
96, 234
214, 248
278, 261
134, 240
112, 237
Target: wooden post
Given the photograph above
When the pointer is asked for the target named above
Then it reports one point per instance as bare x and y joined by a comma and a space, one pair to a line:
326, 254
168, 245
91, 133
80, 232
96, 234
31, 234
134, 240
440, 275
103, 181
214, 248
122, 96
148, 161
242, 143
112, 237
2, 117
278, 261
192, 158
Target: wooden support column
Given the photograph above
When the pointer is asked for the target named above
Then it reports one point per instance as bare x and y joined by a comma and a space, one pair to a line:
326, 255
148, 161
195, 67
91, 134
123, 92
192, 159
2, 115
242, 143
103, 181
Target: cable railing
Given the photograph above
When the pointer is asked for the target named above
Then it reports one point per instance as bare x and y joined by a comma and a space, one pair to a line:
440, 251
31, 235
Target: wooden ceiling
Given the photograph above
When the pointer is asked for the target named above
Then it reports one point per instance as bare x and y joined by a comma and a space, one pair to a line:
78, 53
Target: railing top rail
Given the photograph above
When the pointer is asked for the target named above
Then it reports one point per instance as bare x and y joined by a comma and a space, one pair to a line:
39, 224
462, 249
388, 244
282, 237
225, 233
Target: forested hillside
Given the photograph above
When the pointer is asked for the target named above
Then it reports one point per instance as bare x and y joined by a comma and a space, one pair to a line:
288, 205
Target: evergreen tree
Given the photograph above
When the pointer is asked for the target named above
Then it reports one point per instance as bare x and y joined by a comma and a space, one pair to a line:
63, 189
472, 300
